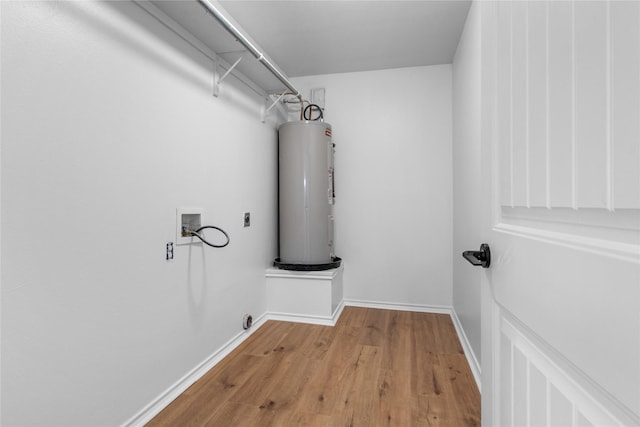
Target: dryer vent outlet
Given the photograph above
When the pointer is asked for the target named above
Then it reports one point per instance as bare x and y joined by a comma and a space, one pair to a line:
247, 321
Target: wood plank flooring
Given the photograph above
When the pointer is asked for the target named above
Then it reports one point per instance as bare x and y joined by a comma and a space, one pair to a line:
374, 368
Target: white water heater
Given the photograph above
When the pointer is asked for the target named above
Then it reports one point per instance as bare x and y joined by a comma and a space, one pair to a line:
306, 196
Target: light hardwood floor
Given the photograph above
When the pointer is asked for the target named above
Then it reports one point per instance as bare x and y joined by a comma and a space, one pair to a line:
374, 368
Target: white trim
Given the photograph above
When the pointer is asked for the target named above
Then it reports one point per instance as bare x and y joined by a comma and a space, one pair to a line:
615, 250
421, 308
476, 369
163, 400
313, 320
301, 318
585, 395
294, 274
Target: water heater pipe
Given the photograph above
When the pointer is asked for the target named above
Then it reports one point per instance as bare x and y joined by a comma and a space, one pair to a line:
247, 43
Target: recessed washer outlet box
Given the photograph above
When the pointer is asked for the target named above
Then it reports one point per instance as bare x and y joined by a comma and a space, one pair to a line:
187, 219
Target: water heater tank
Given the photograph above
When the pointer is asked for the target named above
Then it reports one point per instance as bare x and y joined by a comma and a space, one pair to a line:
306, 196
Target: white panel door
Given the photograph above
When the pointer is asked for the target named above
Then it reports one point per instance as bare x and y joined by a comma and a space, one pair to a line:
561, 164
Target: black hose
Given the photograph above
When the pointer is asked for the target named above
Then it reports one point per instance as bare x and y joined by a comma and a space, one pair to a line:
197, 234
312, 106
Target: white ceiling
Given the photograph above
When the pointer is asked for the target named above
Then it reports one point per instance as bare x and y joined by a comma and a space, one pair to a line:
322, 37
309, 37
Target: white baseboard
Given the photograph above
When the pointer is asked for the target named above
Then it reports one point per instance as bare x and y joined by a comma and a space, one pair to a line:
313, 320
466, 346
476, 370
421, 308
152, 409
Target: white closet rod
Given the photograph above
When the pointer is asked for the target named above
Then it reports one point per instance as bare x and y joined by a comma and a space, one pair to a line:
246, 43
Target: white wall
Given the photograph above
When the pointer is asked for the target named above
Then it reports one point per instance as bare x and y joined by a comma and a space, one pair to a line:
393, 213
108, 126
467, 203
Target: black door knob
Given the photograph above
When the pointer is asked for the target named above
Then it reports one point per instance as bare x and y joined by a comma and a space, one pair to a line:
481, 257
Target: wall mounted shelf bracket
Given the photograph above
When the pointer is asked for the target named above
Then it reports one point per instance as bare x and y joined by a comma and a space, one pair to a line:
251, 48
217, 79
276, 103
181, 29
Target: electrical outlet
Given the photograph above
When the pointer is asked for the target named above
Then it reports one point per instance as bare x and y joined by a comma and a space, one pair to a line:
169, 251
247, 219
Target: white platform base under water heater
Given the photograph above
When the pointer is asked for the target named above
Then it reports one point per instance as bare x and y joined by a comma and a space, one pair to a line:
305, 296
